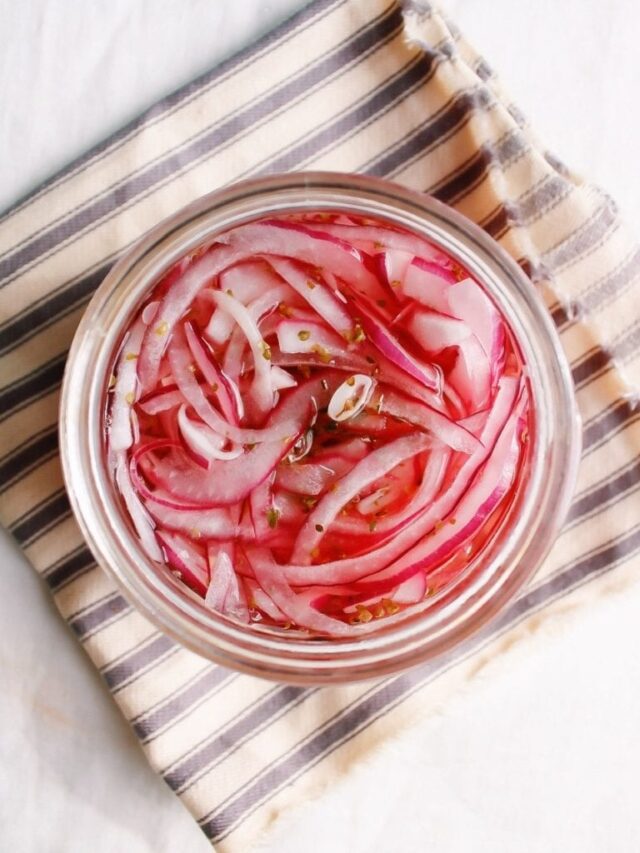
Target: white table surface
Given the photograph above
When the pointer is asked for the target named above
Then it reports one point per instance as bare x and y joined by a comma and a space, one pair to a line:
540, 753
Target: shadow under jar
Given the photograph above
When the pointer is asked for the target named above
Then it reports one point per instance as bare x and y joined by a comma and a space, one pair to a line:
318, 427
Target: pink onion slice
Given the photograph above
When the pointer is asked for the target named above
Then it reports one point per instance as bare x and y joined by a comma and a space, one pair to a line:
213, 523
426, 373
385, 238
249, 280
126, 389
173, 306
169, 398
224, 593
280, 379
179, 358
271, 579
264, 513
259, 599
204, 441
449, 432
428, 284
302, 336
228, 482
395, 265
309, 479
139, 515
351, 569
222, 387
351, 362
473, 307
424, 495
149, 312
471, 375
410, 591
473, 510
262, 392
365, 472
303, 244
317, 295
186, 561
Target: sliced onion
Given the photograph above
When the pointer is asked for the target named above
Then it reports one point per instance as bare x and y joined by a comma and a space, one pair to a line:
384, 239
305, 479
373, 502
471, 376
279, 238
141, 519
228, 482
245, 282
197, 523
264, 514
370, 469
169, 398
225, 390
473, 307
310, 386
186, 561
410, 591
351, 569
384, 341
476, 505
396, 264
317, 295
422, 498
149, 312
180, 360
260, 600
262, 392
126, 389
450, 433
350, 362
269, 576
281, 379
295, 336
428, 284
203, 440
173, 306
224, 593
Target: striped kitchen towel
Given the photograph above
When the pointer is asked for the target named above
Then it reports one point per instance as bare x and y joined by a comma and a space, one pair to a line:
351, 85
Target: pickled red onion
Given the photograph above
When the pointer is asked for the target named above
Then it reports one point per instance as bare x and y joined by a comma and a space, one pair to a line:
311, 417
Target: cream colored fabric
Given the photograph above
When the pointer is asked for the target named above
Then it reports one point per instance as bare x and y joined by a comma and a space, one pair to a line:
349, 85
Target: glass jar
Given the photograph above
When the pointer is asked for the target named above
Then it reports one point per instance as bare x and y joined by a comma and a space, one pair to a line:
424, 630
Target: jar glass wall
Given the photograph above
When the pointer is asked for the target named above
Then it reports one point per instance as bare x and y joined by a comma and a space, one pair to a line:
419, 633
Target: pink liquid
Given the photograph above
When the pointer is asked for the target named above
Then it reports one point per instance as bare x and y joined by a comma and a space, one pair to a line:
317, 422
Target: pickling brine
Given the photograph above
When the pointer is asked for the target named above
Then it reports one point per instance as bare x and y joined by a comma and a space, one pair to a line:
317, 421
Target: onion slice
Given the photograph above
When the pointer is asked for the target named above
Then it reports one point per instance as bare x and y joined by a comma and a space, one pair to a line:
224, 593
365, 472
140, 517
383, 340
204, 441
350, 569
179, 358
270, 577
125, 389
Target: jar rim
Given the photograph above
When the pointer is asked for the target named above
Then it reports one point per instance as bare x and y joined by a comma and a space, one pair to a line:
419, 633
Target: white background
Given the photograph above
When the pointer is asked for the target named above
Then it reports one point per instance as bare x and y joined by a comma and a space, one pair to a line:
540, 753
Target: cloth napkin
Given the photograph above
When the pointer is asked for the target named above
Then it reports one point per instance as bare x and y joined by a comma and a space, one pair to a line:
351, 85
